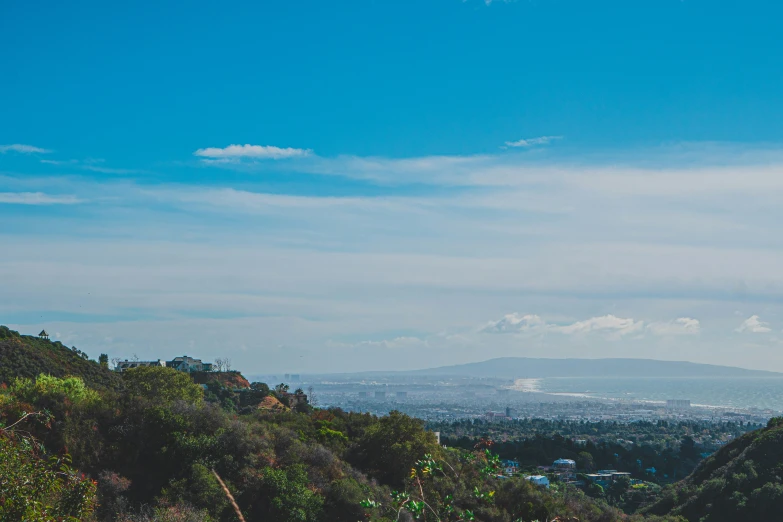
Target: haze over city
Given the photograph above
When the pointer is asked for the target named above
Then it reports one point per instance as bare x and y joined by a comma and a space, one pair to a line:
289, 186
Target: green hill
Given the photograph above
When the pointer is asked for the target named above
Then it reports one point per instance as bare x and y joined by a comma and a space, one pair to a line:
28, 356
742, 481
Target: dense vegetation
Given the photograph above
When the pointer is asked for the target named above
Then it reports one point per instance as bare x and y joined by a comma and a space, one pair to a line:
742, 481
33, 487
152, 445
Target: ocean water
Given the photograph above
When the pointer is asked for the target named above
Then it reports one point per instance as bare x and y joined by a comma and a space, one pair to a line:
736, 392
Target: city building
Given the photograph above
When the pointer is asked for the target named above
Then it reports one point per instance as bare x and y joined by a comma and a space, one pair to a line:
538, 480
380, 395
189, 364
496, 416
402, 395
127, 365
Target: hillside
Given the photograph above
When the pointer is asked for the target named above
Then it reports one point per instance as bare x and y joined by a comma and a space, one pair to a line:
742, 481
511, 367
152, 450
233, 380
28, 356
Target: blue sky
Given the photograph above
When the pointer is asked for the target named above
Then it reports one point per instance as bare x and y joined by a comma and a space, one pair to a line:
340, 186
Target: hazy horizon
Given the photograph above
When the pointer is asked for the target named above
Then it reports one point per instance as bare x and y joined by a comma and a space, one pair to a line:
301, 191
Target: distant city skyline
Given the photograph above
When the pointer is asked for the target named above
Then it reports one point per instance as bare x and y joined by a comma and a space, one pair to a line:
315, 188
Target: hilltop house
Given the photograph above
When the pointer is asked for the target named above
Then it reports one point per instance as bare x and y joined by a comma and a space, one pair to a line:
510, 467
127, 365
189, 364
565, 469
183, 364
538, 480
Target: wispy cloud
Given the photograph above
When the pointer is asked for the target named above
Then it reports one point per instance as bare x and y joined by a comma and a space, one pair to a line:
515, 323
532, 142
680, 326
91, 164
37, 198
109, 170
397, 343
753, 324
252, 151
23, 149
59, 162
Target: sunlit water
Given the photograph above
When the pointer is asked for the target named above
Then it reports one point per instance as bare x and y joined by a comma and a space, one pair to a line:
763, 393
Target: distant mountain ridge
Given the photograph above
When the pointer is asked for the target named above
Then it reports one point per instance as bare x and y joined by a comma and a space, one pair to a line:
525, 367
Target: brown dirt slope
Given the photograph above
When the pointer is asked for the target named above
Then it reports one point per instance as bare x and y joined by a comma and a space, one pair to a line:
231, 380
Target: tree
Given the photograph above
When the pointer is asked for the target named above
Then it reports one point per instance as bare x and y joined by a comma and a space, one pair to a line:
389, 449
222, 364
162, 385
253, 396
260, 387
40, 489
688, 448
617, 490
53, 392
585, 461
218, 364
103, 360
287, 496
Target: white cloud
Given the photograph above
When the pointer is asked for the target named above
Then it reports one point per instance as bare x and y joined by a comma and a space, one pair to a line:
252, 151
23, 149
531, 142
37, 198
753, 325
680, 326
515, 323
609, 324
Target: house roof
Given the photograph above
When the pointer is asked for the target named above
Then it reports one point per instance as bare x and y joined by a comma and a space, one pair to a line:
43, 333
